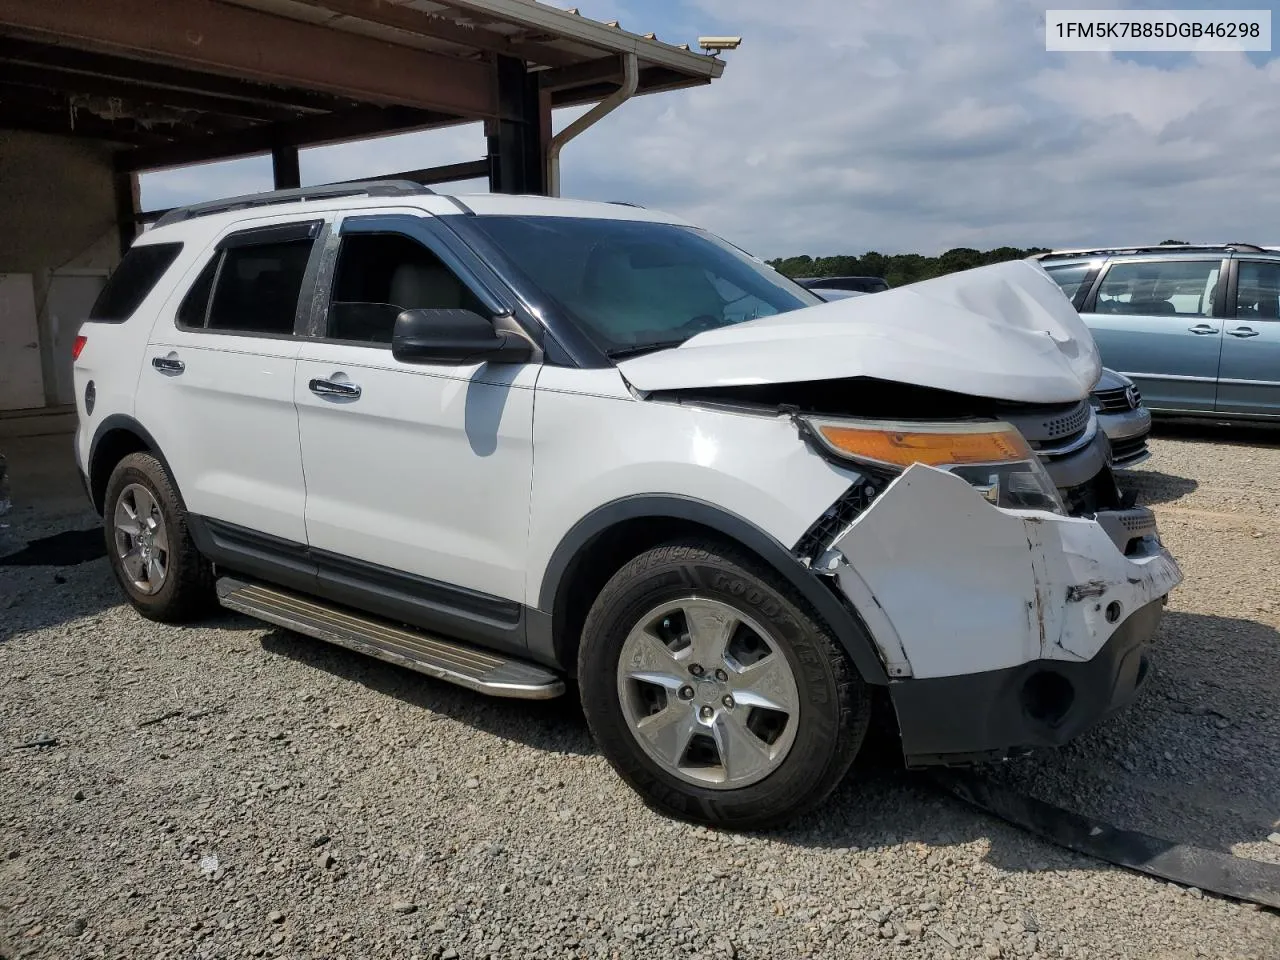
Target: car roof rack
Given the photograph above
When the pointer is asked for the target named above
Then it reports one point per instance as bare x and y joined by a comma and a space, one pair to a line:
1154, 248
328, 191
626, 203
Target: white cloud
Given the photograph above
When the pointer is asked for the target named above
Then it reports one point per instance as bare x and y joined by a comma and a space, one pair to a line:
908, 126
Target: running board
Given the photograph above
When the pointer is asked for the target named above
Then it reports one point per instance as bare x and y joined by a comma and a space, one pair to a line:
467, 666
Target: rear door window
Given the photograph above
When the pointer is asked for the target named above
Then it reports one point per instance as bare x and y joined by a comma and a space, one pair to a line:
1258, 290
1184, 288
258, 287
135, 277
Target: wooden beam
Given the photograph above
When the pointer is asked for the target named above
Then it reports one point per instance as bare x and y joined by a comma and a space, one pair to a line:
125, 188
580, 74
309, 131
422, 24
166, 78
130, 92
284, 167
252, 45
446, 173
22, 108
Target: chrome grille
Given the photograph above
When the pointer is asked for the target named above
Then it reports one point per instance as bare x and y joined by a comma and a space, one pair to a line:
1118, 400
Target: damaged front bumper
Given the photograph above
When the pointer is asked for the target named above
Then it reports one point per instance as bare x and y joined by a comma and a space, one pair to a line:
999, 629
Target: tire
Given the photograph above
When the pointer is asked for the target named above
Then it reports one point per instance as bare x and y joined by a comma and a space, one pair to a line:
178, 586
627, 686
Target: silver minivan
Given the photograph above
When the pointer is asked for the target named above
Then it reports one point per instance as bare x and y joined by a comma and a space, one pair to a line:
1197, 327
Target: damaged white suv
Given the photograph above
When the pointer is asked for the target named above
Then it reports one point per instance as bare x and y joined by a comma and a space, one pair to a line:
506, 441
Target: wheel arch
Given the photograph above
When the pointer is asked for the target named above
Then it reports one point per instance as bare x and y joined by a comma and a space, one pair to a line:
115, 438
599, 544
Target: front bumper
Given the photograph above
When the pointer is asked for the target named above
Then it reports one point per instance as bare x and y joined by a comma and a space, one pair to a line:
1043, 703
1127, 432
966, 603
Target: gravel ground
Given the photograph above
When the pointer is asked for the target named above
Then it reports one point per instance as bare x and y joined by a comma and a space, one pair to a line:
234, 790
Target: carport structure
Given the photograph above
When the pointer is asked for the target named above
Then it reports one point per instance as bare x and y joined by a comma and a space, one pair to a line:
93, 92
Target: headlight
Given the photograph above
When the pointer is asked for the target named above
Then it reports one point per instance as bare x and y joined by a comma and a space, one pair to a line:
992, 456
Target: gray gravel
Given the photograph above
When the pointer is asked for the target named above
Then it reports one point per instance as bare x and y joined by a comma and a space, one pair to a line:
232, 790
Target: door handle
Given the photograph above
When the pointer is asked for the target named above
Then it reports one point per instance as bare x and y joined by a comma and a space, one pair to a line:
334, 388
1200, 329
1243, 332
168, 364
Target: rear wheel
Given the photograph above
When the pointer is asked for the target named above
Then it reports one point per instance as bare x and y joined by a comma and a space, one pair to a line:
149, 546
715, 691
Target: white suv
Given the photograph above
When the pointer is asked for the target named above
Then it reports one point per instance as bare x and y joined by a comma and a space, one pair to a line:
508, 440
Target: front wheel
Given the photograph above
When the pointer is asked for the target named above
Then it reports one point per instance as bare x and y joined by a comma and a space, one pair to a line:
714, 689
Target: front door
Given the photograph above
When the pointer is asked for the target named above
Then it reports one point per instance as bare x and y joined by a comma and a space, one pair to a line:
217, 382
1158, 322
1249, 378
418, 474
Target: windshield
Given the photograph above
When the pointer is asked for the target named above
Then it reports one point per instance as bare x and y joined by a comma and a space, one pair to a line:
634, 285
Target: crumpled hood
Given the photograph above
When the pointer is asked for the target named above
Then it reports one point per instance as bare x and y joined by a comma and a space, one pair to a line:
1004, 331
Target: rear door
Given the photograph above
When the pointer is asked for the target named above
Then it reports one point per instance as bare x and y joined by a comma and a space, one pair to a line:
216, 388
1160, 322
1249, 378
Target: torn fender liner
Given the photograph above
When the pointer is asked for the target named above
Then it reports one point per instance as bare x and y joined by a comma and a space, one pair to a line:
969, 588
1003, 331
1220, 873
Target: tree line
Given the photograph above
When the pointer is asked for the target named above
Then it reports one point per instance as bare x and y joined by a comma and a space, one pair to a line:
900, 268
897, 268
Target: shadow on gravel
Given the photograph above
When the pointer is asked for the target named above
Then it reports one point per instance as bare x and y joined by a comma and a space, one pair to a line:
1155, 488
66, 548
556, 726
1196, 760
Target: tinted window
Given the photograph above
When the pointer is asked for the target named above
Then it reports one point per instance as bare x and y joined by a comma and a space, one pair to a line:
1258, 291
1069, 278
632, 283
195, 305
379, 276
1169, 287
134, 278
258, 287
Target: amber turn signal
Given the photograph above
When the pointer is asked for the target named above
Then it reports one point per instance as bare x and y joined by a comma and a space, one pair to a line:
933, 444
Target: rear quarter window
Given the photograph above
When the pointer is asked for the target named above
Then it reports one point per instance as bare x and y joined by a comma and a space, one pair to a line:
135, 277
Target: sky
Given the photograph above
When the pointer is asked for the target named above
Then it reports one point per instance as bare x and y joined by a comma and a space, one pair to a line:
841, 126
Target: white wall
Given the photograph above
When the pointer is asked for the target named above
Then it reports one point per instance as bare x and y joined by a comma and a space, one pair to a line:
57, 213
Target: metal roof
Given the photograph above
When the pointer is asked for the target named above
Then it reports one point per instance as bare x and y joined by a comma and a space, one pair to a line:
536, 32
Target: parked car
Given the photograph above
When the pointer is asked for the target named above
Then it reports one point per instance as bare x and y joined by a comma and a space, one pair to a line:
1197, 327
858, 284
830, 295
324, 408
1122, 417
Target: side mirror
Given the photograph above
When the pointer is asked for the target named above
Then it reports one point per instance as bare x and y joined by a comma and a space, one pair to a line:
454, 336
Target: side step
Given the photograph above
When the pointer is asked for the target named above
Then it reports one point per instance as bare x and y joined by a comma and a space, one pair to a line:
459, 663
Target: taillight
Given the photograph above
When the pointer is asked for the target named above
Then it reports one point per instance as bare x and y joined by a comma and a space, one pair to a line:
78, 346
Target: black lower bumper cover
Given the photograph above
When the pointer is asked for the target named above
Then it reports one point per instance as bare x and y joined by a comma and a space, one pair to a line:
987, 716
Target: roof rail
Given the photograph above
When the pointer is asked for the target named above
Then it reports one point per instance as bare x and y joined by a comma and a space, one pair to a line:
1152, 248
626, 203
328, 191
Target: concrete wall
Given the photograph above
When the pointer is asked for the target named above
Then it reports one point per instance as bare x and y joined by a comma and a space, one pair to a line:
57, 214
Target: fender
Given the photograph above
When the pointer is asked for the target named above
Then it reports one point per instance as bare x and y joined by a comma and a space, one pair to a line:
122, 421
844, 622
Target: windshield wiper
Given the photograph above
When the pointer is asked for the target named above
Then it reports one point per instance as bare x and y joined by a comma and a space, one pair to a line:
618, 353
